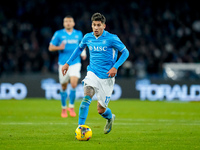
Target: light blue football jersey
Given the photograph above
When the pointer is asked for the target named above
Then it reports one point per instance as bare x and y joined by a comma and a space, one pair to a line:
103, 52
72, 41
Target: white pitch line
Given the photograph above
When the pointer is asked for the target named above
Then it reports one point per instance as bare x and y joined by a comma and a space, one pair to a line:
154, 120
120, 124
160, 120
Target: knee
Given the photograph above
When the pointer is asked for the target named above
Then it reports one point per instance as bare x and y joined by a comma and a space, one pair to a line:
64, 86
73, 85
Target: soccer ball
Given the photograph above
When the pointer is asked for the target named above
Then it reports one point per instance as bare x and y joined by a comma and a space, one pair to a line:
83, 133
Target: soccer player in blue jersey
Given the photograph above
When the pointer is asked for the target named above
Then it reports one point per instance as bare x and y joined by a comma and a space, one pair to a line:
65, 42
102, 69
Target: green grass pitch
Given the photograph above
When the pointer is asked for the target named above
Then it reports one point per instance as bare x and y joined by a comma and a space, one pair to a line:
139, 125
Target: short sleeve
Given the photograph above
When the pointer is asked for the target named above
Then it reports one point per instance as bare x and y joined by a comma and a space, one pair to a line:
55, 39
117, 43
83, 42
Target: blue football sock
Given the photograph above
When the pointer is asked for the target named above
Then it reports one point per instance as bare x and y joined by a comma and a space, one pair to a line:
83, 110
72, 96
63, 98
107, 114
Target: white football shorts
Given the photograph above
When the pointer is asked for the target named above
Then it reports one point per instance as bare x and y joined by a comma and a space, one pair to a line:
103, 87
74, 70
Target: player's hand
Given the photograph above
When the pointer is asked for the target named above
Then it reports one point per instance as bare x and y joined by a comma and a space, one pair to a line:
112, 72
83, 57
65, 68
62, 45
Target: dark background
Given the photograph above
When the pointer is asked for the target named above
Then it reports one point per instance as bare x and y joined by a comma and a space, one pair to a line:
154, 33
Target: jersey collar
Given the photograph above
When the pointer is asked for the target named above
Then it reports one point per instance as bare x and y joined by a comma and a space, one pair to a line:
67, 32
104, 33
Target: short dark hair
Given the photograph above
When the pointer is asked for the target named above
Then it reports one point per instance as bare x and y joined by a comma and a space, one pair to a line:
98, 17
69, 16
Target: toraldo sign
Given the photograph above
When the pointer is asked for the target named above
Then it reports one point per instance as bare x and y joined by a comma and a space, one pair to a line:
47, 86
169, 92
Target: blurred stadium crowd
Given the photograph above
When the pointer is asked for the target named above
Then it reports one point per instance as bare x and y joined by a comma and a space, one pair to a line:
154, 33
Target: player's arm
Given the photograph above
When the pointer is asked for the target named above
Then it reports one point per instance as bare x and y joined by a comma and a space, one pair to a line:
54, 44
75, 54
84, 55
113, 71
56, 48
122, 58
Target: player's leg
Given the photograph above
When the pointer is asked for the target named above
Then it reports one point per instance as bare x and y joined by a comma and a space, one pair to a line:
107, 114
84, 107
74, 73
104, 94
63, 93
72, 95
104, 112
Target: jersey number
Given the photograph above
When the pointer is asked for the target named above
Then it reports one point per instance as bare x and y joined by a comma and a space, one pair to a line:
107, 100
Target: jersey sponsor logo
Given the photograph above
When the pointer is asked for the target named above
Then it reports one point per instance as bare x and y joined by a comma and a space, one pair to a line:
98, 48
70, 41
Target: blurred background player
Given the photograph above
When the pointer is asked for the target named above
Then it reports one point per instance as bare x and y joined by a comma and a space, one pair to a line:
65, 42
102, 69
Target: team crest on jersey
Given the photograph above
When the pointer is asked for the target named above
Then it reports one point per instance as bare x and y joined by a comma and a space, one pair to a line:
90, 47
